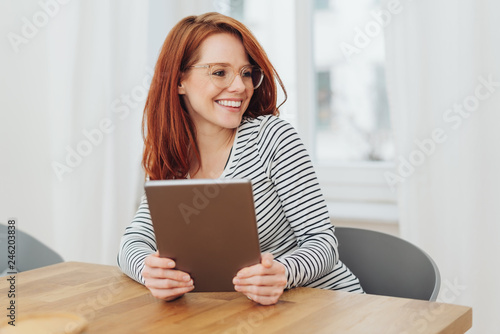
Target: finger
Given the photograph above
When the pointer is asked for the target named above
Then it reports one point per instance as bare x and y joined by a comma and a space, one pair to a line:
267, 260
155, 261
261, 280
254, 290
171, 293
260, 269
172, 274
155, 283
256, 269
264, 299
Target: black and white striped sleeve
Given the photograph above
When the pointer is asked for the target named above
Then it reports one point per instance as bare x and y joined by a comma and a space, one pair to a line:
292, 172
137, 243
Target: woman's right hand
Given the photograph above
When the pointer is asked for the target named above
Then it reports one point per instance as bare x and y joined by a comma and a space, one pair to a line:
163, 281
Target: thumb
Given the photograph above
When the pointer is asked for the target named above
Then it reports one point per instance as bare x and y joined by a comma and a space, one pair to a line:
267, 260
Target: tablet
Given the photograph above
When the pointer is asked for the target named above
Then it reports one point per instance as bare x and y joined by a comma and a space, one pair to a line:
208, 227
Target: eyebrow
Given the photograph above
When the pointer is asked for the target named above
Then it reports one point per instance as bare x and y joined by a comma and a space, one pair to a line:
227, 64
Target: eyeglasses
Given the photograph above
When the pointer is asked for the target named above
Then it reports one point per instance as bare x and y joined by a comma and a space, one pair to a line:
223, 75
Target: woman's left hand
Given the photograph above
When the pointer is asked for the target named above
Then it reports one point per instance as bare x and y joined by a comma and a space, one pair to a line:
264, 282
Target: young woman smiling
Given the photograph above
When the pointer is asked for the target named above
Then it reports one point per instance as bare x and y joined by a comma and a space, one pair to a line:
212, 112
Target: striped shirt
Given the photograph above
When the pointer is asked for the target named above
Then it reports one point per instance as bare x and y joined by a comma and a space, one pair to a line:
292, 217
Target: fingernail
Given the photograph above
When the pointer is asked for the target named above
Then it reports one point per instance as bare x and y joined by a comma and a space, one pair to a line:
171, 264
186, 278
236, 281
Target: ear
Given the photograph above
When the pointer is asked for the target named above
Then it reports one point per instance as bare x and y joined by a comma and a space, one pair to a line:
180, 89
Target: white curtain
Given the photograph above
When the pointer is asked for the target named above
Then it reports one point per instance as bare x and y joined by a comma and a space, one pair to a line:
74, 75
443, 77
74, 81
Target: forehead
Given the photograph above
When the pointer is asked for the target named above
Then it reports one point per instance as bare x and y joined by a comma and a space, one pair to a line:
223, 48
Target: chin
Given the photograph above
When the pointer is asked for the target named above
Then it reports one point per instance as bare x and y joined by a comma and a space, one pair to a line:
232, 122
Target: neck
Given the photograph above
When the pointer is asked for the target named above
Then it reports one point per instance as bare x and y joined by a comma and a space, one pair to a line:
214, 149
212, 142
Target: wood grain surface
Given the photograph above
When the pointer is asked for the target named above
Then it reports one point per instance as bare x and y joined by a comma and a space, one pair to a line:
114, 303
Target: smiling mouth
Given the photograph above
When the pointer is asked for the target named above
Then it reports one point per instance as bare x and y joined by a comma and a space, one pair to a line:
227, 103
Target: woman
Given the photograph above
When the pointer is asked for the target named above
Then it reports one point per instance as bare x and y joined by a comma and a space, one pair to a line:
211, 113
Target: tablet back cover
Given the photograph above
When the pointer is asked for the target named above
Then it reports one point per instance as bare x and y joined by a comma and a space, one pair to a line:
207, 226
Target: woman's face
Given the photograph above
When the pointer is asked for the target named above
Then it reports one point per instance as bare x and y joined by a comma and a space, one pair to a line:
210, 107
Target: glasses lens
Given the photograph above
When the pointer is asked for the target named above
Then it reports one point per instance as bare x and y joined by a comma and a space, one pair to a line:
257, 76
223, 75
252, 76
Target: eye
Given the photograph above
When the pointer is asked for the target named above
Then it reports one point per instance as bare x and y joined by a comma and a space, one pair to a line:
246, 72
219, 72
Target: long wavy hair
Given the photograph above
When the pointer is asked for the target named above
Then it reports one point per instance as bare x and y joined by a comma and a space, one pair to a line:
168, 131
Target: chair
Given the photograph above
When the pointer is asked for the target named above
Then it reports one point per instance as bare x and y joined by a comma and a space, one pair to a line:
387, 265
30, 253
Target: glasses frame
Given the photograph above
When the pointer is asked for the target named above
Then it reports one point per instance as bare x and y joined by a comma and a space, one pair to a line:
235, 73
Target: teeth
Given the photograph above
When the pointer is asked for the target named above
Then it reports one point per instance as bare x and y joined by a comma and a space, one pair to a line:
229, 103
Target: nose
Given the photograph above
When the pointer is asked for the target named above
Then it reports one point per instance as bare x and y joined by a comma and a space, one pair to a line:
237, 85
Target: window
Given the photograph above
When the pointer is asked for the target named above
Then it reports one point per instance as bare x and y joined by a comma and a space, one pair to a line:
336, 101
321, 4
352, 121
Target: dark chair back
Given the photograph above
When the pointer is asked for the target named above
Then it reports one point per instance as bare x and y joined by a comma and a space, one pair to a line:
30, 253
388, 265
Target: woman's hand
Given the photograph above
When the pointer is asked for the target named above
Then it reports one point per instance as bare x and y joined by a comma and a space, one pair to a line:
264, 282
163, 281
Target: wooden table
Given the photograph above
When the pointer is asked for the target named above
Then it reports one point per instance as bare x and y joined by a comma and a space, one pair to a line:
113, 303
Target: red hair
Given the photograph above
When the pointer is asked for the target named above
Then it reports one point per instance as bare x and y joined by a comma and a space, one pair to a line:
168, 131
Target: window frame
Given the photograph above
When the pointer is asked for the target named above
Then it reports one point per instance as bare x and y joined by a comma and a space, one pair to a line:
353, 191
